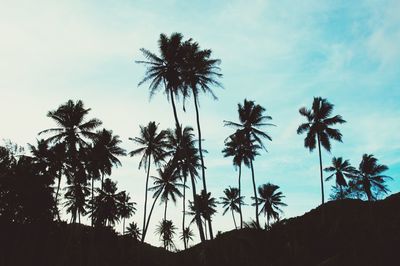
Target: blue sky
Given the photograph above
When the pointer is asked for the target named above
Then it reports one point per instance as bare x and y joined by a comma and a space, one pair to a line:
278, 54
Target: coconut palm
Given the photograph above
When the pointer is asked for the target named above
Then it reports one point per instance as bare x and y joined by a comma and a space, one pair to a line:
369, 177
251, 119
271, 201
166, 230
186, 236
165, 69
126, 208
203, 206
318, 128
133, 230
185, 155
238, 147
76, 199
152, 145
231, 201
341, 170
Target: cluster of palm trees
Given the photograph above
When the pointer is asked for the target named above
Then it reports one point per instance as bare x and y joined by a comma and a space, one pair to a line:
367, 179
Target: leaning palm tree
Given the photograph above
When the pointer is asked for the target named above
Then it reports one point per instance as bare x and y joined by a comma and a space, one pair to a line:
238, 147
200, 72
231, 201
341, 170
152, 145
126, 208
251, 119
318, 128
271, 201
134, 231
369, 177
181, 144
165, 69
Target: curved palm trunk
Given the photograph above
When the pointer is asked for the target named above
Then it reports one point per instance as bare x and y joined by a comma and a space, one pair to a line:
145, 197
198, 218
148, 219
183, 210
255, 192
174, 108
320, 169
201, 158
233, 216
240, 195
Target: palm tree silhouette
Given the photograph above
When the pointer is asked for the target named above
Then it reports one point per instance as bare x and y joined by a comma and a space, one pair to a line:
166, 230
186, 236
251, 118
369, 176
340, 169
185, 155
134, 231
204, 206
238, 147
165, 70
318, 129
231, 201
76, 198
126, 208
200, 72
153, 145
271, 200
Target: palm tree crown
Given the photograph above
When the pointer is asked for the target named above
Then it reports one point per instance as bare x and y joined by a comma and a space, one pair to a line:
340, 169
271, 201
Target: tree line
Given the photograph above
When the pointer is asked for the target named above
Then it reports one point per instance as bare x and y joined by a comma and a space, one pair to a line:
80, 152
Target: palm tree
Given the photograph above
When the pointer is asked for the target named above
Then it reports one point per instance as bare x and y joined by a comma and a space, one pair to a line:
126, 208
340, 169
271, 201
242, 152
76, 199
251, 118
186, 236
231, 202
133, 230
166, 69
200, 72
185, 155
153, 145
369, 176
166, 231
204, 206
318, 129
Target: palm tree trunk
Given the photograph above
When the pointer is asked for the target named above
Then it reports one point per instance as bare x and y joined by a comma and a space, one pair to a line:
255, 192
56, 201
240, 196
320, 169
145, 197
102, 180
123, 227
148, 219
203, 173
233, 216
92, 199
183, 210
165, 210
198, 218
174, 108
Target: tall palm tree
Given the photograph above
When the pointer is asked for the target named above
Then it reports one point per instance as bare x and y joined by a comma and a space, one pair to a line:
152, 145
369, 176
126, 208
231, 201
165, 69
251, 118
318, 128
238, 147
200, 72
185, 155
341, 170
271, 201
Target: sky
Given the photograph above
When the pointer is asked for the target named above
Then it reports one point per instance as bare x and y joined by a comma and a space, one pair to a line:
280, 54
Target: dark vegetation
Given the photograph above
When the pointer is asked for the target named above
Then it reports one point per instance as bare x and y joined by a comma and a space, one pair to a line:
344, 232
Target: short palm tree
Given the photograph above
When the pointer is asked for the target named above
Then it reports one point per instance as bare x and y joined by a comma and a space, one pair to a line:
165, 69
126, 208
152, 145
166, 230
186, 236
231, 201
76, 200
369, 177
134, 231
203, 206
318, 128
341, 170
251, 119
271, 201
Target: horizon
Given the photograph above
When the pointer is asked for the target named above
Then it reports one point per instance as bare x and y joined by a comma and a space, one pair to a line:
279, 55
